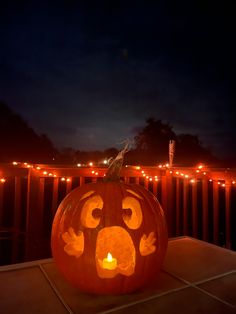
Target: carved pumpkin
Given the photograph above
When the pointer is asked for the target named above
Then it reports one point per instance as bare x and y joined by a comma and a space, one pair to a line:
109, 237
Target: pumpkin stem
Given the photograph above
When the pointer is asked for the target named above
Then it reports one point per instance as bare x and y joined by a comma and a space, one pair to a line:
113, 172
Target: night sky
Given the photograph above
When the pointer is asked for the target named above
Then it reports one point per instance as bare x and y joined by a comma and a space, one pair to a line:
89, 73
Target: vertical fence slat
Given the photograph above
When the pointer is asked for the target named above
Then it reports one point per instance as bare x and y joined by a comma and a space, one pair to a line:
35, 200
194, 210
185, 207
69, 185
205, 219
169, 201
216, 212
155, 188
81, 180
227, 214
177, 207
1, 203
17, 204
55, 195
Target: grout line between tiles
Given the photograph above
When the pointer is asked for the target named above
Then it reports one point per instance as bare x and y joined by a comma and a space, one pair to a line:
215, 277
155, 296
193, 285
56, 291
24, 265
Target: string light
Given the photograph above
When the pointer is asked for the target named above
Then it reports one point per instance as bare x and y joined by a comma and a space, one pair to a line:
191, 173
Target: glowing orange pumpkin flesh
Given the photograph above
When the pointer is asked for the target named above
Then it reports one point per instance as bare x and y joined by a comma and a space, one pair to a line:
109, 217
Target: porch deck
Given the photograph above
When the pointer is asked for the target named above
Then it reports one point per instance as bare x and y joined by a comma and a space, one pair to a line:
197, 277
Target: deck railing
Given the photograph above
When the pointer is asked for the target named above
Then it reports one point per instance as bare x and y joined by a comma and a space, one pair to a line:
199, 202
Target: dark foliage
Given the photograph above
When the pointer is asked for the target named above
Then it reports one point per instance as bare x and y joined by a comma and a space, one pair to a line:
20, 142
152, 146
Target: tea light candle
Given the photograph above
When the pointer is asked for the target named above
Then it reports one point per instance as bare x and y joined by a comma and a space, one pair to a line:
109, 262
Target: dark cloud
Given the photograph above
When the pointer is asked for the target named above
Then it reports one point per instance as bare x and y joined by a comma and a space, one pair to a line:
89, 74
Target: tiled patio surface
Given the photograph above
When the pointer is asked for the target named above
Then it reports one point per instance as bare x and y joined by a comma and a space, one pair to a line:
197, 277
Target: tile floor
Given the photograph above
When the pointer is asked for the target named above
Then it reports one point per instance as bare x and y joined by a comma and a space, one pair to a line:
197, 277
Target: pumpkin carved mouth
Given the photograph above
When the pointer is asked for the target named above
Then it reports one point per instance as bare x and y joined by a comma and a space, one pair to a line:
116, 241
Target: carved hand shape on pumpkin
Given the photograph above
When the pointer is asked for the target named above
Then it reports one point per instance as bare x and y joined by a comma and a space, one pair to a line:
74, 243
146, 245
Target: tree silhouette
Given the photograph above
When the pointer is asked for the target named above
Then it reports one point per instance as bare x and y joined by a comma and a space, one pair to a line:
20, 142
152, 146
151, 142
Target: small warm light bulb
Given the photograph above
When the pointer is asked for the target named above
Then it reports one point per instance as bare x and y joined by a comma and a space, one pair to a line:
15, 163
2, 180
105, 161
91, 164
63, 179
68, 179
138, 167
78, 165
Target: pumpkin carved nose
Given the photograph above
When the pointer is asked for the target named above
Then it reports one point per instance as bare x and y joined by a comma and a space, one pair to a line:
118, 243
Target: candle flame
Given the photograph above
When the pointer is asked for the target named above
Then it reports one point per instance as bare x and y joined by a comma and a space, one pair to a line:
109, 257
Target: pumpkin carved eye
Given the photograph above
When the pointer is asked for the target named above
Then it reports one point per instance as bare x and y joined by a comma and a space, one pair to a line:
132, 213
91, 212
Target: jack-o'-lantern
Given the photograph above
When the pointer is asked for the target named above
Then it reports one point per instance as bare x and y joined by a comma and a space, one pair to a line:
109, 237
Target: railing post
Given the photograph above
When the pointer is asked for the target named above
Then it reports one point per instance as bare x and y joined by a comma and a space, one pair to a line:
17, 204
69, 185
177, 208
216, 212
34, 225
227, 214
194, 210
81, 181
1, 203
167, 201
205, 218
55, 196
185, 207
16, 220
